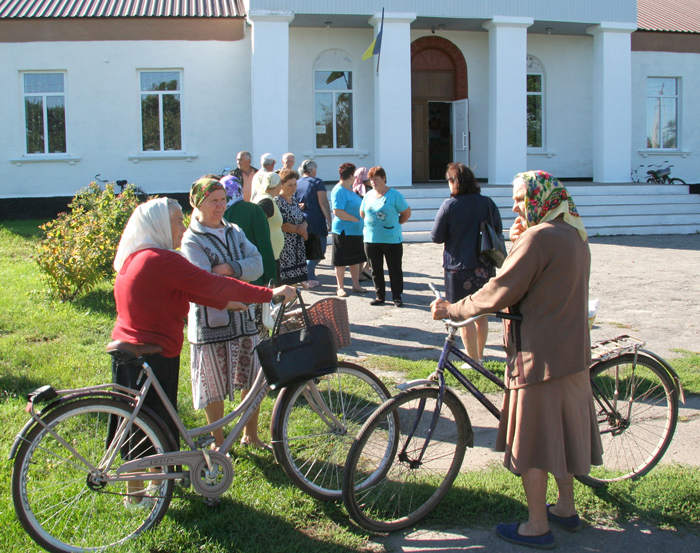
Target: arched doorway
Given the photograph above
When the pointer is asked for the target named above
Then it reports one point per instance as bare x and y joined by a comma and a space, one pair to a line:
438, 107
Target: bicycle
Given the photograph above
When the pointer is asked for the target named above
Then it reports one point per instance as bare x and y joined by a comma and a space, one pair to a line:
658, 174
395, 474
141, 195
74, 458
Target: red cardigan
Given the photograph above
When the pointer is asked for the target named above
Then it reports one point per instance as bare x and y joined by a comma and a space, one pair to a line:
153, 291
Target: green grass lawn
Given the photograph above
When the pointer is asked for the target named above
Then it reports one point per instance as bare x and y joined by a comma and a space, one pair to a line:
45, 342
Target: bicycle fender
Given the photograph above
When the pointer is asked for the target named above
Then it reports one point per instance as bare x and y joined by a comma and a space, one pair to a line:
671, 371
415, 383
19, 438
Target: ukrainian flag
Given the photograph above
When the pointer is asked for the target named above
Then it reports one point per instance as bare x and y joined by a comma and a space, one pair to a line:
376, 46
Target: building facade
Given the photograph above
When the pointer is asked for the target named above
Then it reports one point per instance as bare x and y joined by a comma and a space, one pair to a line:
160, 93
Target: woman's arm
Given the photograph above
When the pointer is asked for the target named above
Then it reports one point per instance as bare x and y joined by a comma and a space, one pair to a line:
404, 215
325, 207
438, 234
345, 216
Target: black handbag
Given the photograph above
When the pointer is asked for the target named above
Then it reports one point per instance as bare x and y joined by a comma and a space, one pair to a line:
492, 247
313, 247
299, 355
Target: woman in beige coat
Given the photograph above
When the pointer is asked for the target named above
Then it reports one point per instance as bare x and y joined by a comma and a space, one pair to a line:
548, 422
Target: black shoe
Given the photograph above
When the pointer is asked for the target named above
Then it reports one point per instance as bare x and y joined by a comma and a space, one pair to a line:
376, 301
398, 302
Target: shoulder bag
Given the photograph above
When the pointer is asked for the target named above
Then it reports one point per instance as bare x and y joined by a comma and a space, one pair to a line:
299, 355
492, 247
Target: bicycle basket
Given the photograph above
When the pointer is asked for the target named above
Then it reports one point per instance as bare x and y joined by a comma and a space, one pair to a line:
330, 312
664, 172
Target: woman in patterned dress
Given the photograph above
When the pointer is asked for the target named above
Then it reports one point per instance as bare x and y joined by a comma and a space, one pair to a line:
293, 256
222, 351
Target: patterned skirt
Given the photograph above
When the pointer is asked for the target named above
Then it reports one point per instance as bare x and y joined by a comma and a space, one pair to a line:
220, 368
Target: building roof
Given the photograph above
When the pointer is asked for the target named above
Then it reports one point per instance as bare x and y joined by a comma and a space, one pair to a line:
21, 9
669, 15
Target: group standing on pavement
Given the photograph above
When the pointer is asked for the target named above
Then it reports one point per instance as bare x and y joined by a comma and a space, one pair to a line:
253, 228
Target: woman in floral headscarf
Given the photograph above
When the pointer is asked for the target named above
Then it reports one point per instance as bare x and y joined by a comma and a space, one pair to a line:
548, 422
222, 351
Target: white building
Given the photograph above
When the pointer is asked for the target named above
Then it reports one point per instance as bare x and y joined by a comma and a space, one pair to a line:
162, 92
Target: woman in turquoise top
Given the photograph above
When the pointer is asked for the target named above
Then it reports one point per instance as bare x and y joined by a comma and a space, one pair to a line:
384, 210
346, 231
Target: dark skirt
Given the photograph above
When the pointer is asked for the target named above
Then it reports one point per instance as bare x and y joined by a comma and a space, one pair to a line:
167, 371
347, 250
464, 282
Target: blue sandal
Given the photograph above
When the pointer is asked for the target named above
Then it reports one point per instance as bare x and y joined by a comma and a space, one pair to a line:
570, 524
509, 533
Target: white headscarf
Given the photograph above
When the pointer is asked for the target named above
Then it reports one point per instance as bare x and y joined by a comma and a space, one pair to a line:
148, 227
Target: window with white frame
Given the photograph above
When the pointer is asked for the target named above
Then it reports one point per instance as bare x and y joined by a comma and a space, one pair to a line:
161, 127
662, 112
333, 109
45, 112
535, 103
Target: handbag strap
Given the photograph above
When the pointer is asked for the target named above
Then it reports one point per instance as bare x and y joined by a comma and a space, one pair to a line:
280, 317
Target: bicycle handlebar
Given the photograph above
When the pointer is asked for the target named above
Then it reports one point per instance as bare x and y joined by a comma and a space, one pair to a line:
460, 324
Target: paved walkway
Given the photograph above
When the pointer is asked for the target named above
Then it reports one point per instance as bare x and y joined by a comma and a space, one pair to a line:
648, 287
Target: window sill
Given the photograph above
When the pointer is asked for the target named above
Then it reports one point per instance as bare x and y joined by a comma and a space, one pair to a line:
328, 152
538, 152
661, 152
149, 156
43, 158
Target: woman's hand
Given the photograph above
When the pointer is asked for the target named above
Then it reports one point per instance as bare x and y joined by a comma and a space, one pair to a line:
304, 230
517, 228
236, 306
222, 269
439, 309
285, 291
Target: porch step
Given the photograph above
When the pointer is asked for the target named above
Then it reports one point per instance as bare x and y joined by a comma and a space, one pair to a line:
606, 209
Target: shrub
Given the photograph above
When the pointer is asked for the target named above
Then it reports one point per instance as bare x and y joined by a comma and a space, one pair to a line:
79, 246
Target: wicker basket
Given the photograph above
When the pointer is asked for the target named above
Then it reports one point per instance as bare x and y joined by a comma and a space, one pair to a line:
331, 312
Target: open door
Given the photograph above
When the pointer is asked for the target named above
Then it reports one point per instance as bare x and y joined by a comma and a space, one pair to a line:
460, 131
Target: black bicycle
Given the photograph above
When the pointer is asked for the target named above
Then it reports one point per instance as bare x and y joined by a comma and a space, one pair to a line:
409, 452
123, 185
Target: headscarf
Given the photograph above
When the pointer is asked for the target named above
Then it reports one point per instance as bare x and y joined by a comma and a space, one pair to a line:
546, 199
358, 185
234, 190
267, 181
202, 188
148, 227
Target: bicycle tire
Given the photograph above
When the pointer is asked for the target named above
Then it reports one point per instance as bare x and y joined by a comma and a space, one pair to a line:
386, 487
636, 440
51, 488
678, 181
312, 450
652, 180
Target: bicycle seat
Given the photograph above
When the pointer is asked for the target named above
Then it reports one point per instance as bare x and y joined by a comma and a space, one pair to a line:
126, 351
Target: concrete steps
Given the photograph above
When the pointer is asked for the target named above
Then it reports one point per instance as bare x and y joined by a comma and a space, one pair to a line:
606, 209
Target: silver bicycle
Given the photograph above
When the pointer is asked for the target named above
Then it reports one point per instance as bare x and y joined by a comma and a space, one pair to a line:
78, 460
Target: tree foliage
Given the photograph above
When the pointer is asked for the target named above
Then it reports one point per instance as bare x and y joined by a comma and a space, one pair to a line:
79, 246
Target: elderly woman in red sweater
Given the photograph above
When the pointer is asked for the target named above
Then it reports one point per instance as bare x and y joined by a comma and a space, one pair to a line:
154, 288
548, 423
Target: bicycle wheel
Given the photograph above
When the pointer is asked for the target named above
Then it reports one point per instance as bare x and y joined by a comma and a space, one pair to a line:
64, 506
678, 181
312, 446
389, 481
637, 410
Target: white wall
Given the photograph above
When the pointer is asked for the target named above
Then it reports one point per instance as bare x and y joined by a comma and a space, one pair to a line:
568, 67
103, 112
686, 161
305, 46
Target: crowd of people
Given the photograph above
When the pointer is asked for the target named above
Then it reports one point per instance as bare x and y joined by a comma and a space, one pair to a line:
258, 233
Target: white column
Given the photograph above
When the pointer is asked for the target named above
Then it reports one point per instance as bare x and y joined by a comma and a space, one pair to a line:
270, 78
612, 101
507, 97
392, 97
